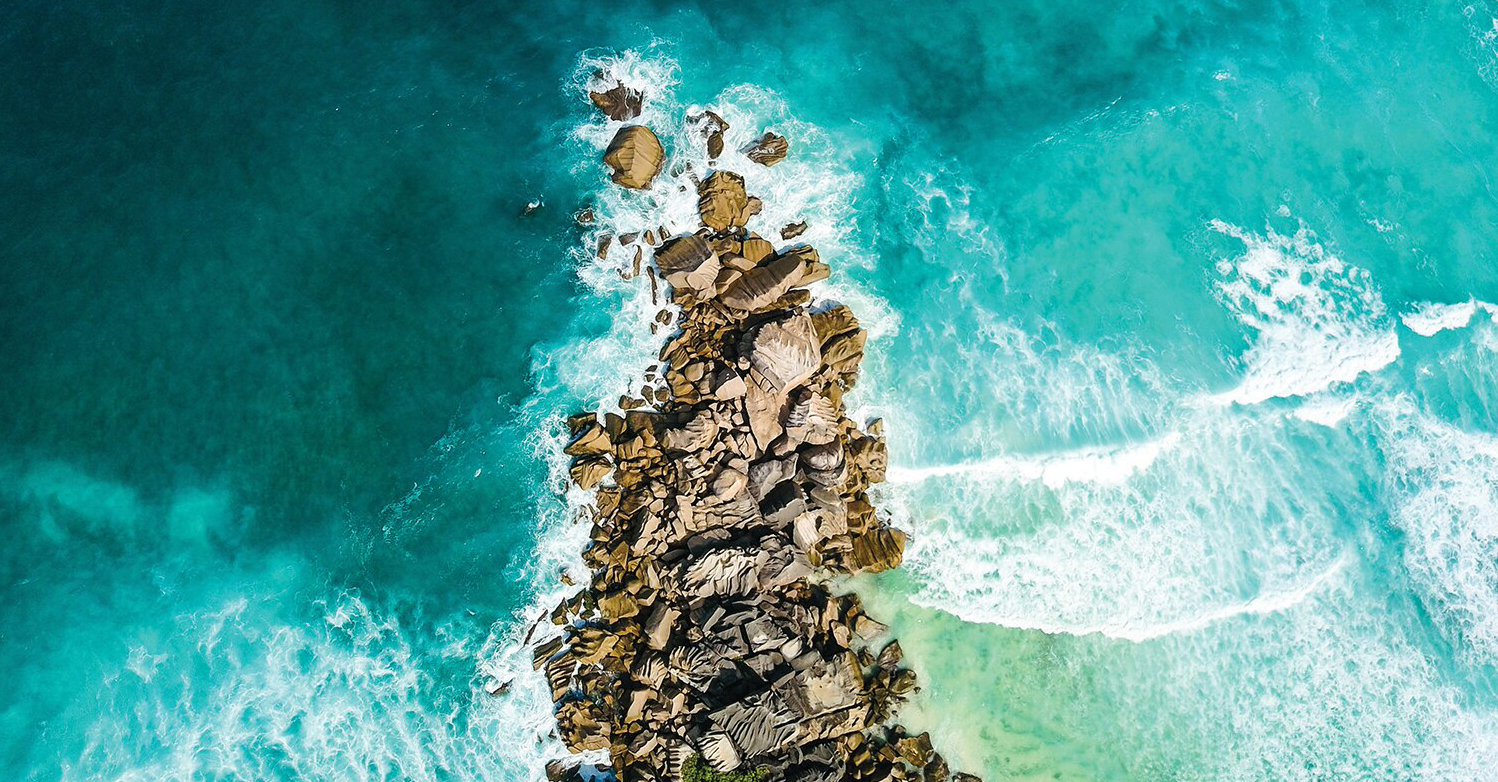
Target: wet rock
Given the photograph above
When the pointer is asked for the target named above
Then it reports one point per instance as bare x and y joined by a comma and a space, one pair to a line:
618, 102
768, 150
877, 550
793, 230
636, 156
587, 471
590, 441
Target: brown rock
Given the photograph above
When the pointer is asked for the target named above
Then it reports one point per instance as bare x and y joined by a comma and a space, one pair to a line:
768, 150
793, 230
618, 605
784, 353
619, 102
722, 202
833, 322
877, 550
688, 263
587, 471
756, 250
591, 441
728, 384
763, 285
636, 156
916, 750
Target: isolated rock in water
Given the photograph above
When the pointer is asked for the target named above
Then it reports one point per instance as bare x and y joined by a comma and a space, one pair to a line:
636, 156
768, 150
688, 262
712, 125
793, 230
619, 102
722, 202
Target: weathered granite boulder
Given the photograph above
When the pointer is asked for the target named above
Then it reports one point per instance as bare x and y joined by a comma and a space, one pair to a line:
688, 263
587, 471
722, 202
768, 150
636, 156
784, 353
763, 285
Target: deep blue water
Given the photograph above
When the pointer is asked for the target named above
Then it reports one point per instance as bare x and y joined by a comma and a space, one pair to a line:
1180, 326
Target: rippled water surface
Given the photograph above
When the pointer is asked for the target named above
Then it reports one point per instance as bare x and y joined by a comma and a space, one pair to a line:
1180, 320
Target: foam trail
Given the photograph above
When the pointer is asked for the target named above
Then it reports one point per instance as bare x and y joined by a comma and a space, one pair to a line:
1327, 411
1430, 318
1446, 501
1086, 465
1262, 604
1319, 320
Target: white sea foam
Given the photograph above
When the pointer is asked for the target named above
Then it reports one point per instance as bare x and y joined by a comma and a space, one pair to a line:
236, 691
1318, 320
945, 210
1430, 318
1444, 483
1326, 410
1262, 603
1085, 465
1175, 534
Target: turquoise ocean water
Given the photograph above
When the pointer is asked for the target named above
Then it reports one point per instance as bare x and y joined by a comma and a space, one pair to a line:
1180, 326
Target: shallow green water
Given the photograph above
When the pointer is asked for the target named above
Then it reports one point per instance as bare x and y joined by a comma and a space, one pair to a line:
1200, 486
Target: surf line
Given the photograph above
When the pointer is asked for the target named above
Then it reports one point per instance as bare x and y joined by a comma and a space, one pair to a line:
1259, 605
1084, 465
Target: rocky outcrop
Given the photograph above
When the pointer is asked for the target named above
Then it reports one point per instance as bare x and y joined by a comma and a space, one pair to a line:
768, 150
618, 102
710, 633
636, 156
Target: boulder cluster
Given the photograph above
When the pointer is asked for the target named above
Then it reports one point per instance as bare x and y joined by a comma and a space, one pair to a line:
709, 643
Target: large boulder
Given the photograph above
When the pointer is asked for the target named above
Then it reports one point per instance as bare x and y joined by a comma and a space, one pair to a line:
636, 156
688, 263
722, 202
763, 285
587, 471
877, 550
784, 353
